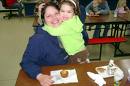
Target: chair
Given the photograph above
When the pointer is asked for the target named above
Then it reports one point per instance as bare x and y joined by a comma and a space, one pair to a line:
8, 9
116, 37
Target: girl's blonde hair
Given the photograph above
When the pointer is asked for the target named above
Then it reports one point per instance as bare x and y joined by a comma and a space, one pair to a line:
71, 3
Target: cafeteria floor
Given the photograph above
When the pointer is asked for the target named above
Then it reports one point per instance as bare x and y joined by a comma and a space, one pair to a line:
14, 34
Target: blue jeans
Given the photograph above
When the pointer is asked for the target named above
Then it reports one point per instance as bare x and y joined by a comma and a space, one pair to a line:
98, 30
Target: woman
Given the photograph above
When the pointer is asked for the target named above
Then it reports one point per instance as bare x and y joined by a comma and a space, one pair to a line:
43, 49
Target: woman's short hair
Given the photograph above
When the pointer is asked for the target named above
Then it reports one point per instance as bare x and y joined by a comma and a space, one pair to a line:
49, 4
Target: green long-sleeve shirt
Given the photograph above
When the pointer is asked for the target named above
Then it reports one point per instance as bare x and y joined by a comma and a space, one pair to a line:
70, 35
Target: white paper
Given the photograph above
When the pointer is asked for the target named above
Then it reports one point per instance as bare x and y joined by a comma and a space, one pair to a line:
105, 73
72, 77
97, 78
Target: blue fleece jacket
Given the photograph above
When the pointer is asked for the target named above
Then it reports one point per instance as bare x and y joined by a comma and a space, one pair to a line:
42, 50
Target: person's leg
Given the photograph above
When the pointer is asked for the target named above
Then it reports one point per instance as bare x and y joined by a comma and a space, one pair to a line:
82, 18
106, 30
85, 35
97, 31
82, 13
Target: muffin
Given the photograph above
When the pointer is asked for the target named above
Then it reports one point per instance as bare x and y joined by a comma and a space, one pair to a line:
64, 73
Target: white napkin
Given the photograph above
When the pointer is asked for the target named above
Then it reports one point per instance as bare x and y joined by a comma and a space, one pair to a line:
118, 75
97, 78
72, 77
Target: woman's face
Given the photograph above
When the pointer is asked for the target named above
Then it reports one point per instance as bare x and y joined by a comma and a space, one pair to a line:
51, 17
66, 12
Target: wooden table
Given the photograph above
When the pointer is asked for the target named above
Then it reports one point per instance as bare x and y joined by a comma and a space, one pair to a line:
108, 19
81, 69
118, 27
103, 19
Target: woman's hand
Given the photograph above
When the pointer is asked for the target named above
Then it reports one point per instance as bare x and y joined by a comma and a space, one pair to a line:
45, 80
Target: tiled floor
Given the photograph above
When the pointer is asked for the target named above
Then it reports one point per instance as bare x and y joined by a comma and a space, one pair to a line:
14, 34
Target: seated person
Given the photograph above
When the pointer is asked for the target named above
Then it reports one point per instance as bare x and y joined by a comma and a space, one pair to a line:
97, 8
44, 50
122, 6
15, 5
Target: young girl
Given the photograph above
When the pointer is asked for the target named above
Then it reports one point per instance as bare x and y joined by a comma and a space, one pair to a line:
121, 6
69, 32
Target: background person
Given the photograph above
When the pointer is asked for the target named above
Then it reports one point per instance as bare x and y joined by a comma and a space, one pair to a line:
122, 6
15, 5
97, 8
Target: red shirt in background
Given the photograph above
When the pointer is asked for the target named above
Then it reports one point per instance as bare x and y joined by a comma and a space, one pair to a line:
9, 3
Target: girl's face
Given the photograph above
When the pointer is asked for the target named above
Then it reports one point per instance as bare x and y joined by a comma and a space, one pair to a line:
66, 12
52, 17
